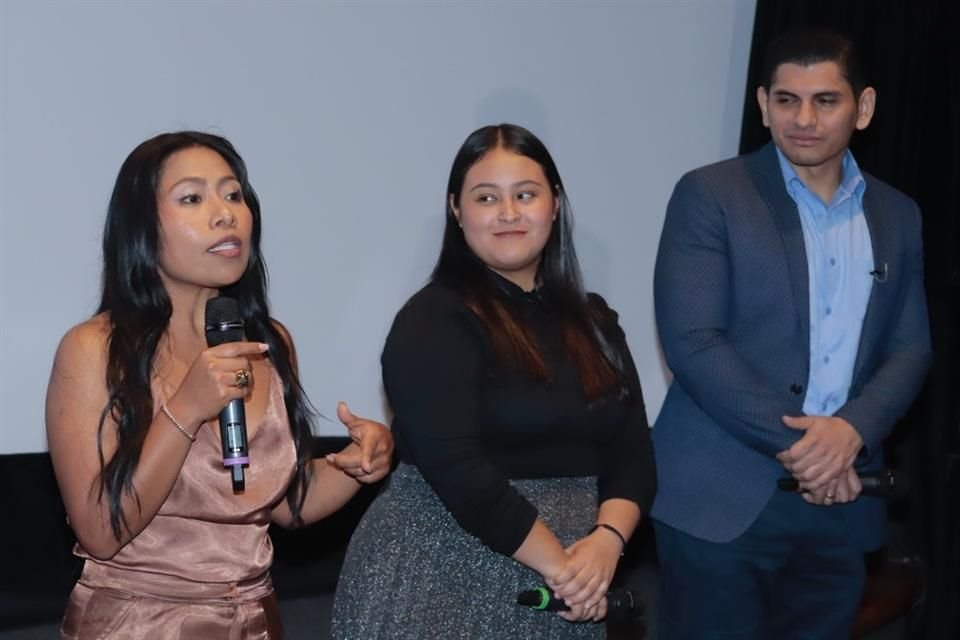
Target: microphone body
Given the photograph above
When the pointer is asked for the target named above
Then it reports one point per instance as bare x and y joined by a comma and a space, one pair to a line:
223, 323
621, 603
541, 599
878, 484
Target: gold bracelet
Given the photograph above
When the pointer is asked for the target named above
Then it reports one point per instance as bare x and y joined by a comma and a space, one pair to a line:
166, 412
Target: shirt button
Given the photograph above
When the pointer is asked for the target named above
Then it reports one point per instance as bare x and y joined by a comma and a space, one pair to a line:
826, 359
829, 310
833, 262
823, 407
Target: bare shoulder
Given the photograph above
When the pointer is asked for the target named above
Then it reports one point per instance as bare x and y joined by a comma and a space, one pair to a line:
283, 331
287, 340
77, 388
85, 344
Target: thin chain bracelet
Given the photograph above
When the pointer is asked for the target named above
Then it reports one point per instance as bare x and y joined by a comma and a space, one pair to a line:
166, 412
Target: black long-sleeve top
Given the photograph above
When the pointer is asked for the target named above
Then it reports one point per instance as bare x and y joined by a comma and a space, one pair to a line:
470, 424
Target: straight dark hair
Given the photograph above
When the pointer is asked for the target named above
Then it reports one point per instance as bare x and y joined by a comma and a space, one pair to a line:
139, 313
807, 46
599, 366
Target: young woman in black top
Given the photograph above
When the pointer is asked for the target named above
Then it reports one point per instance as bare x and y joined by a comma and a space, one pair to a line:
524, 451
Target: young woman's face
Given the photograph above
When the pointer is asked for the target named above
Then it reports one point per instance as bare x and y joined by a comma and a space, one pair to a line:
205, 225
506, 210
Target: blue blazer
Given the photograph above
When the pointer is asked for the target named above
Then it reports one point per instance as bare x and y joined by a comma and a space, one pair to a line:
732, 305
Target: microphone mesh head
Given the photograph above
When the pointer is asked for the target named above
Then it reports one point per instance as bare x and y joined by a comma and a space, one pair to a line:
222, 321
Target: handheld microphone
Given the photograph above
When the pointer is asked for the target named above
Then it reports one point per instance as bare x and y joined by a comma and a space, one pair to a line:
223, 323
879, 484
622, 603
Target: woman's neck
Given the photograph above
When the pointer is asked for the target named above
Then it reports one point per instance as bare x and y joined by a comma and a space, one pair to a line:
186, 329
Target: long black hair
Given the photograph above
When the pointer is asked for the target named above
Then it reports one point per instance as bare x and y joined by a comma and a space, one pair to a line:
139, 312
598, 364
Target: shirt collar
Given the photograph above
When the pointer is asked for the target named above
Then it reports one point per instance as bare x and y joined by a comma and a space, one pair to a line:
852, 183
514, 291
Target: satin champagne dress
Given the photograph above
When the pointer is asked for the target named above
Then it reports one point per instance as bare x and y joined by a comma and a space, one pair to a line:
200, 569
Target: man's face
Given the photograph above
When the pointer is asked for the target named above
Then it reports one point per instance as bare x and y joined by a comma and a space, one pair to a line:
812, 113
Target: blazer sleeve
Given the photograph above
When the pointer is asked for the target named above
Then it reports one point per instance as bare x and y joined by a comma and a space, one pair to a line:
433, 367
874, 407
692, 289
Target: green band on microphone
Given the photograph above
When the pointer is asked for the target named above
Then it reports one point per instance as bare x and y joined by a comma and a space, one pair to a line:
544, 598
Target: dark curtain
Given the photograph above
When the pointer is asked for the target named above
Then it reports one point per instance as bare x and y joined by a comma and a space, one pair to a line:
911, 50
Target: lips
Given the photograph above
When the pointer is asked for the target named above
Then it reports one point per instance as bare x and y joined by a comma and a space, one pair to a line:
228, 247
509, 234
804, 140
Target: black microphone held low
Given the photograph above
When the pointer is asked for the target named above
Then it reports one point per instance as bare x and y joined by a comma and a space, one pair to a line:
622, 603
879, 484
223, 323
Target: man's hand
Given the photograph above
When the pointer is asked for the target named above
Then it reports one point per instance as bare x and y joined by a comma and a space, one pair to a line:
823, 454
844, 489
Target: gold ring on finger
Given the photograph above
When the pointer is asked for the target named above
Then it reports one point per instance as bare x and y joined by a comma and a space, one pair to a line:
242, 378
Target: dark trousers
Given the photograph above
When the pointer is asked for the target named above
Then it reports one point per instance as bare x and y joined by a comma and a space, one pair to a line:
792, 575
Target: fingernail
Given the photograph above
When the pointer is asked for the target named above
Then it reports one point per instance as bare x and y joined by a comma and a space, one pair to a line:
264, 346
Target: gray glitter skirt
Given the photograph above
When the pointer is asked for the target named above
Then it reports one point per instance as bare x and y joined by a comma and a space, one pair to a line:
411, 572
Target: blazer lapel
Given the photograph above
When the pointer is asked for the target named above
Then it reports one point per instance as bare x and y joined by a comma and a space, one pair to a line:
881, 240
765, 168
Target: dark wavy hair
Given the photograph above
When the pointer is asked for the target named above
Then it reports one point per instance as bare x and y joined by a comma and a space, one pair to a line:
599, 366
139, 312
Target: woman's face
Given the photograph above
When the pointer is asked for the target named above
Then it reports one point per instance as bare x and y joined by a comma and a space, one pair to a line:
506, 210
205, 225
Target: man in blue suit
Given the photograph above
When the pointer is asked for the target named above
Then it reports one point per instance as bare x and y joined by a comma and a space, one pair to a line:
790, 303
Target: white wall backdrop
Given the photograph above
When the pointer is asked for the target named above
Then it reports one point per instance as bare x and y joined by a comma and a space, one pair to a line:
348, 115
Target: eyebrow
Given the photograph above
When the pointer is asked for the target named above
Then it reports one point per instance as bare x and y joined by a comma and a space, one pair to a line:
490, 185
201, 181
818, 94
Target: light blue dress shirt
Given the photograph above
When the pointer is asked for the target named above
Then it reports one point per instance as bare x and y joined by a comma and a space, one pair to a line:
839, 262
